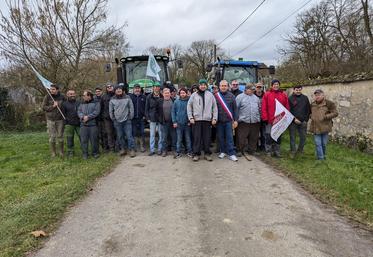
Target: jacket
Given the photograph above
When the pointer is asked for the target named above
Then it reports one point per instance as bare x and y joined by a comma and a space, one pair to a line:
121, 108
179, 111
321, 116
90, 109
52, 113
139, 102
236, 92
249, 107
269, 104
300, 107
152, 108
230, 101
202, 109
104, 102
70, 110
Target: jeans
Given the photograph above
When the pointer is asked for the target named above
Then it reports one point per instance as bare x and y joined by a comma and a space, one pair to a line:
167, 130
183, 131
225, 135
154, 127
138, 128
301, 129
89, 134
124, 128
320, 141
70, 131
271, 146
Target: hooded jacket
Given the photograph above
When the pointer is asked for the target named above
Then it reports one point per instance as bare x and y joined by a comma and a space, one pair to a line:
202, 106
121, 108
90, 109
269, 104
52, 113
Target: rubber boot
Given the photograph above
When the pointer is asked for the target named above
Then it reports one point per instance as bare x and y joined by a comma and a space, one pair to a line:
61, 149
52, 147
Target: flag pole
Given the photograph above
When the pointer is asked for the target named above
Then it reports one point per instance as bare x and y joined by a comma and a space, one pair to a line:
58, 108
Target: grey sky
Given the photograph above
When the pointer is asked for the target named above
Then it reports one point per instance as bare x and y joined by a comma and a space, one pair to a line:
163, 22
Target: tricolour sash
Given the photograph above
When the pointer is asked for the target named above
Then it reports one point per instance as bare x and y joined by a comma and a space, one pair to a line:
224, 105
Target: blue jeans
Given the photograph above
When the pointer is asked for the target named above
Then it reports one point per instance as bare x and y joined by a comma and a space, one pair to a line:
225, 135
183, 131
138, 128
155, 126
320, 141
168, 130
124, 128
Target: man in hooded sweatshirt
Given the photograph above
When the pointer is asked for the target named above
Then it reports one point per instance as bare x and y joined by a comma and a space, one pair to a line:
181, 123
55, 121
88, 111
268, 115
72, 122
202, 113
121, 112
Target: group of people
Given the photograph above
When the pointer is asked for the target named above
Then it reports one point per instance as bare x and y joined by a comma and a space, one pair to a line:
185, 120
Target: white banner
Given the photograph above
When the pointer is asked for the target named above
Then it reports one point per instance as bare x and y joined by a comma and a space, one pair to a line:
46, 83
283, 118
153, 68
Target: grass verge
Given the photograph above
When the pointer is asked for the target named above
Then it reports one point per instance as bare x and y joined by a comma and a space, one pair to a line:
344, 180
35, 190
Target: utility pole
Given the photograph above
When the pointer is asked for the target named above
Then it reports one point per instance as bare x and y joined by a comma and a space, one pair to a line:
214, 53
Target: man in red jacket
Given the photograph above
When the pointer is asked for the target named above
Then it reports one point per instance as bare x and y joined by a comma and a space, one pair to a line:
268, 114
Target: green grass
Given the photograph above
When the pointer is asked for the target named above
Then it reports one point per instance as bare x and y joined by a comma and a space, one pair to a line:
344, 180
35, 190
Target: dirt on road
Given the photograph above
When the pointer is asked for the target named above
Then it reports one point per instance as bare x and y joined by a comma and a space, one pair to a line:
154, 206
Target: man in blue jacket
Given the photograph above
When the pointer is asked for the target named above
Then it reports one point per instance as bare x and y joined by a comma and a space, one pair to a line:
139, 101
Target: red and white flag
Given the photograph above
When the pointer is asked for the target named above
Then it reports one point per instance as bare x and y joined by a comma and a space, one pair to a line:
283, 118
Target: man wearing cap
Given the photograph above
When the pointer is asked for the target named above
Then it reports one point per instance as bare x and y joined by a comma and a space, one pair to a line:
268, 115
108, 123
121, 112
139, 101
248, 105
152, 115
227, 121
55, 121
234, 88
202, 113
322, 113
259, 92
301, 109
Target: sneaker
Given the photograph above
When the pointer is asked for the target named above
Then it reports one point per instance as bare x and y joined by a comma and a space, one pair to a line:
195, 158
177, 156
208, 158
190, 155
233, 158
151, 153
221, 155
164, 154
132, 153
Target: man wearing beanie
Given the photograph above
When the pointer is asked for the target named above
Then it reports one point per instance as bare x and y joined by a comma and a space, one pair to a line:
202, 113
108, 123
268, 114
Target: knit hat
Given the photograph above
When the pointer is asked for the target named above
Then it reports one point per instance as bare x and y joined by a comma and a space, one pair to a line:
117, 87
275, 81
202, 81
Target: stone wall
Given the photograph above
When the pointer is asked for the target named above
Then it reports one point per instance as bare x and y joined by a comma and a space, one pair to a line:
354, 124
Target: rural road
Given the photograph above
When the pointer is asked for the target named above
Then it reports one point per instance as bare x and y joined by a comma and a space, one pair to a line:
161, 207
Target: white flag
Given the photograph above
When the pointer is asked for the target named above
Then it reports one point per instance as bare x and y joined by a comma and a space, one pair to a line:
46, 83
153, 68
283, 118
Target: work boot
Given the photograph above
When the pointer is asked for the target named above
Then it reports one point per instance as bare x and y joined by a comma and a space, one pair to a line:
61, 151
122, 152
142, 145
132, 153
52, 147
208, 157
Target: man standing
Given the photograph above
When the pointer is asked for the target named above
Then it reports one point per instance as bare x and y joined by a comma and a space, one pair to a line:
139, 101
202, 113
72, 122
102, 138
121, 112
165, 119
152, 115
88, 111
248, 105
260, 93
227, 120
268, 115
301, 109
55, 121
322, 113
108, 123
181, 123
234, 88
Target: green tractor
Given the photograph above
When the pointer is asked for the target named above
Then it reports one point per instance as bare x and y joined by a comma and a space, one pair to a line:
132, 70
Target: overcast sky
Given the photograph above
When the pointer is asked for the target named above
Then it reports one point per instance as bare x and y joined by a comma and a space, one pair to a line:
164, 22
